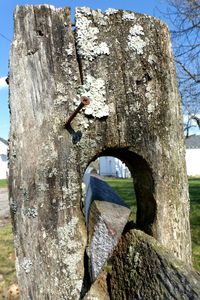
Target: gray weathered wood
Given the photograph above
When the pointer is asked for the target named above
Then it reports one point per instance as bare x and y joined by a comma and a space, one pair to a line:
123, 62
107, 221
142, 269
48, 227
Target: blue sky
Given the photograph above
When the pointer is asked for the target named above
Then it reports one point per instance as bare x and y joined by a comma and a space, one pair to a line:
151, 7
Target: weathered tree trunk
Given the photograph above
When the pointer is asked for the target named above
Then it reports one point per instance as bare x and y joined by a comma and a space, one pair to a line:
123, 62
143, 269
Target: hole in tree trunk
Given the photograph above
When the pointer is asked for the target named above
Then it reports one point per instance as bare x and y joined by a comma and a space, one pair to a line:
106, 208
131, 178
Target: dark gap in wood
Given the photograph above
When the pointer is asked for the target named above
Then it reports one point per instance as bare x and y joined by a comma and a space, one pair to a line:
129, 226
78, 58
86, 278
108, 283
40, 33
73, 26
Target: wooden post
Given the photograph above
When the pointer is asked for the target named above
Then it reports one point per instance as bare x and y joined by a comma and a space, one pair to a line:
143, 269
123, 63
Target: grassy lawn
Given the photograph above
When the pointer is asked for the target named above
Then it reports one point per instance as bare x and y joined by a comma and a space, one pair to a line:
7, 259
7, 256
194, 190
3, 183
124, 188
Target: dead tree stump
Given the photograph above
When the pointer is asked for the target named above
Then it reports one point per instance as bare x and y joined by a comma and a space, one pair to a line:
123, 62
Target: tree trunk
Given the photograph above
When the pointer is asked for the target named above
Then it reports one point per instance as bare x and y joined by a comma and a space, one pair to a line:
123, 62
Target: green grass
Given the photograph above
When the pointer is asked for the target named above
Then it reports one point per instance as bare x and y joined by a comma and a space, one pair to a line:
124, 188
7, 258
194, 190
3, 183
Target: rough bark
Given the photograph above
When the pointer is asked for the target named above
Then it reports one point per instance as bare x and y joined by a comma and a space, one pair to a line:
143, 269
123, 62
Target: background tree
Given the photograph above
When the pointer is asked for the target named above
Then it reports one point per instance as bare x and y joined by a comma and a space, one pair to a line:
185, 18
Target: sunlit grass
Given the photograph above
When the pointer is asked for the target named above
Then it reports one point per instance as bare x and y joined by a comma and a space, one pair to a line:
7, 258
124, 188
194, 190
3, 183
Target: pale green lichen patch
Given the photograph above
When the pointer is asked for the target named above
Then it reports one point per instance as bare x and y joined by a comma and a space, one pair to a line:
95, 90
70, 50
152, 59
49, 154
87, 37
151, 98
135, 40
69, 247
111, 11
85, 10
42, 187
26, 265
99, 17
13, 205
128, 16
53, 172
30, 212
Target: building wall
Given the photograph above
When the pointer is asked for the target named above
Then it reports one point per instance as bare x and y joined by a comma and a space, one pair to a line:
3, 161
107, 166
112, 166
193, 162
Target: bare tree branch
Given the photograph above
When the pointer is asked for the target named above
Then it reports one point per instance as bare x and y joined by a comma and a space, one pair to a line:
184, 15
193, 76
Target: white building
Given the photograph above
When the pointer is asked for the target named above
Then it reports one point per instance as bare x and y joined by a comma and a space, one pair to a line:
3, 159
112, 166
193, 155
